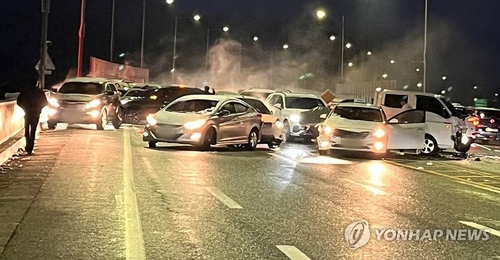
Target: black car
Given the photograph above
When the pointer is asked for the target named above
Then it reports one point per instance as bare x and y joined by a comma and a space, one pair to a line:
86, 101
151, 100
487, 124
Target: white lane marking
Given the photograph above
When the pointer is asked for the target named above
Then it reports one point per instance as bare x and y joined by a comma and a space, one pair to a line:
323, 160
223, 198
482, 146
498, 151
369, 188
481, 227
283, 158
293, 252
133, 232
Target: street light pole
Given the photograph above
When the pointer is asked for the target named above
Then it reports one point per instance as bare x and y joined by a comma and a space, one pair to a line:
143, 29
342, 52
425, 49
112, 41
174, 52
43, 49
81, 35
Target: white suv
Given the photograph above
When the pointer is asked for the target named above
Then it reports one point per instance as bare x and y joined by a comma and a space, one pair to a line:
288, 108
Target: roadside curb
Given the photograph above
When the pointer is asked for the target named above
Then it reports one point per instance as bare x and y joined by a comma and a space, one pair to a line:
6, 154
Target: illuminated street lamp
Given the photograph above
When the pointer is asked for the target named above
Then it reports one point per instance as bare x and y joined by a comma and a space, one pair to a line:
321, 14
384, 75
285, 46
475, 87
170, 2
332, 38
225, 28
443, 92
369, 53
496, 94
350, 64
443, 78
197, 17
393, 61
122, 55
475, 99
419, 85
417, 69
255, 38
348, 45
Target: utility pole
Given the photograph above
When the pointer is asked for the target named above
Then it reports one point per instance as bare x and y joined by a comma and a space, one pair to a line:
43, 51
143, 28
425, 49
112, 43
81, 35
342, 52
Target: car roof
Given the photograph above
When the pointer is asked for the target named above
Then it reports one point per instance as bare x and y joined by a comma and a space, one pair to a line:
260, 90
210, 97
89, 80
405, 92
305, 95
360, 105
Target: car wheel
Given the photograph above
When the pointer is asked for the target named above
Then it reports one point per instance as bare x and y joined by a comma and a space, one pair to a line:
208, 139
323, 152
131, 116
253, 140
103, 120
151, 144
430, 146
51, 125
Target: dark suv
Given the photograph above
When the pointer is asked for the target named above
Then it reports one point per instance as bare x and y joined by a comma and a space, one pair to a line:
487, 123
149, 102
86, 101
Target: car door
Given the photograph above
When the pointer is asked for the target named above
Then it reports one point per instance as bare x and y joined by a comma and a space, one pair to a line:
277, 103
406, 130
247, 118
228, 123
439, 123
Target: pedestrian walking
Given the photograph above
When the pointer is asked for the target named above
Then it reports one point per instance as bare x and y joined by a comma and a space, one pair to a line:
32, 100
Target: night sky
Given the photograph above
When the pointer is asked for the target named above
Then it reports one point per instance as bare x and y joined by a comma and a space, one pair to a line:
463, 36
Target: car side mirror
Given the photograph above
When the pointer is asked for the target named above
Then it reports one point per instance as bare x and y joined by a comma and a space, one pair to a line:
394, 121
278, 105
109, 93
223, 112
323, 116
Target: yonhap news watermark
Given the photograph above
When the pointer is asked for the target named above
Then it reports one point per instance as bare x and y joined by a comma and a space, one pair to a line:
359, 233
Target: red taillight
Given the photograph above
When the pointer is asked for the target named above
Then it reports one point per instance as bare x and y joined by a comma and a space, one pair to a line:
474, 120
492, 121
259, 115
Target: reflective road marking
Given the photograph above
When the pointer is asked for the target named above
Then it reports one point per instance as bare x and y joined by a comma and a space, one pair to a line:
133, 232
284, 158
293, 253
481, 227
369, 188
223, 198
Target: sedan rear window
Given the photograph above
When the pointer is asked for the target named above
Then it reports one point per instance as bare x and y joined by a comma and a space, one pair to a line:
81, 88
488, 113
359, 113
195, 105
303, 102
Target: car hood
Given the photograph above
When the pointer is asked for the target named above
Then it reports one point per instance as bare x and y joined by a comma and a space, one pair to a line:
75, 97
176, 118
351, 125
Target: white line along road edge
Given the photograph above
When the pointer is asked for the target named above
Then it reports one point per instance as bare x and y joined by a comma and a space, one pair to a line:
293, 252
133, 231
481, 227
223, 198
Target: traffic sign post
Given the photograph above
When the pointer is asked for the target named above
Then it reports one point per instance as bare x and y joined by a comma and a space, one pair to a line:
41, 67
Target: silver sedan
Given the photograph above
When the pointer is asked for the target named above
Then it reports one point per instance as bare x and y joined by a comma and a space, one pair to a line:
205, 120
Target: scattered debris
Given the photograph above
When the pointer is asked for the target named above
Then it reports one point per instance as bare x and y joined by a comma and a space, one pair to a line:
429, 163
420, 168
477, 159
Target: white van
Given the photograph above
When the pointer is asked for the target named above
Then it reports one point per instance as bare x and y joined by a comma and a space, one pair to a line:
445, 128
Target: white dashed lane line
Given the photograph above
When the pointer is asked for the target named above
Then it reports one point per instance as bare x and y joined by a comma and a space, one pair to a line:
223, 198
293, 252
481, 227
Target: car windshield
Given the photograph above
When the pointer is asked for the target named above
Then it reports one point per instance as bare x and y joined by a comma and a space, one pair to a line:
194, 105
488, 113
259, 95
258, 105
303, 102
450, 106
81, 88
359, 113
132, 93
145, 93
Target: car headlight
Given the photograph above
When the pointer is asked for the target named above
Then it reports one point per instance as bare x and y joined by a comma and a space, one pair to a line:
279, 124
295, 118
53, 102
93, 103
195, 124
327, 130
151, 120
379, 133
125, 101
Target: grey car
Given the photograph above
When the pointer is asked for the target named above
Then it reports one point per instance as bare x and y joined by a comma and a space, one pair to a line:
205, 120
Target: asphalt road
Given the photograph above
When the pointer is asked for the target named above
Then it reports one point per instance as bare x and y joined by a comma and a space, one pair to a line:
104, 195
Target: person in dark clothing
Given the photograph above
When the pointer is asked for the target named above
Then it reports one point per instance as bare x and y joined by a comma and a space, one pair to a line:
32, 100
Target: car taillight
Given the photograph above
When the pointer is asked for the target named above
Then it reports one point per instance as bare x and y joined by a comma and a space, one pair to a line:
492, 121
259, 115
474, 120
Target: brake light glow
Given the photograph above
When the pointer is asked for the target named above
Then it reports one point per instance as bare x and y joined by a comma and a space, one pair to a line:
474, 120
492, 121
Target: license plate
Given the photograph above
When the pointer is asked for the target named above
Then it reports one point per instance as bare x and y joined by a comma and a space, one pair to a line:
491, 130
350, 142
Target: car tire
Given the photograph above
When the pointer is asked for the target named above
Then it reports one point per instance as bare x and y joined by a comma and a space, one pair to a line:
103, 120
151, 144
208, 139
51, 125
430, 146
131, 116
323, 152
253, 140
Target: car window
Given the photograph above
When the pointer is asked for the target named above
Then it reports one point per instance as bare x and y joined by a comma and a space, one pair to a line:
303, 102
240, 108
431, 104
359, 113
394, 101
409, 116
258, 105
112, 87
488, 113
81, 88
229, 107
195, 105
276, 99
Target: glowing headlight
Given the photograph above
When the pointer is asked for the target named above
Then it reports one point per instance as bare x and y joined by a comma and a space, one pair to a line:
464, 139
53, 102
93, 103
379, 133
151, 120
327, 130
295, 118
279, 124
195, 124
